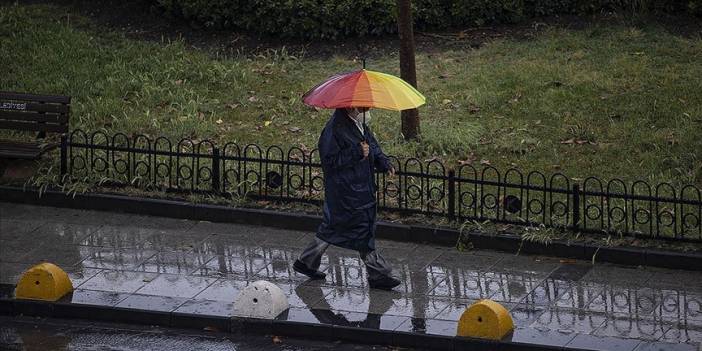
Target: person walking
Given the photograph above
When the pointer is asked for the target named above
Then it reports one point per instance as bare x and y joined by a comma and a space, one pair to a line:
350, 156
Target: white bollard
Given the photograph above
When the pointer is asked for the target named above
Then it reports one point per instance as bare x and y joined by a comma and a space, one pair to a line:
260, 299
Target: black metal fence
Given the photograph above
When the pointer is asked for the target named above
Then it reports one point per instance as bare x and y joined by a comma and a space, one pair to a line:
425, 187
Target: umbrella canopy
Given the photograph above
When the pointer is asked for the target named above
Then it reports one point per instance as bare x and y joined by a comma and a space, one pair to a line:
364, 88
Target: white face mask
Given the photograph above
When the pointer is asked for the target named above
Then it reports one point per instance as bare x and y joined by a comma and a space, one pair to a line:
358, 116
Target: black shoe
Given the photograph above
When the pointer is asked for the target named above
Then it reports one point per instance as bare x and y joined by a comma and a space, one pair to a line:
301, 268
384, 283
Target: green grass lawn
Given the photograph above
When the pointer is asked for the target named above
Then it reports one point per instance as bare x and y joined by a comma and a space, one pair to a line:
609, 100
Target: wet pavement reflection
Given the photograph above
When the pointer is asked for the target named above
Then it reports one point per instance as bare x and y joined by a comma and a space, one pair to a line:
200, 267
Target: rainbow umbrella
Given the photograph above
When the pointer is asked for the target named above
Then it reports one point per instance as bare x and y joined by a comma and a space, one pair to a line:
364, 88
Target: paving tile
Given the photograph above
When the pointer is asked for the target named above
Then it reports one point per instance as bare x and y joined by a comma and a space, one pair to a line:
642, 329
99, 218
172, 285
231, 267
383, 244
207, 307
380, 302
569, 320
305, 295
173, 262
679, 305
685, 332
542, 336
118, 281
225, 246
177, 240
152, 303
668, 278
13, 252
116, 259
511, 286
273, 236
10, 273
223, 290
462, 260
454, 309
61, 234
92, 297
536, 265
417, 282
579, 294
571, 272
604, 343
280, 271
64, 255
547, 292
120, 237
525, 315
622, 275
164, 223
224, 229
619, 300
352, 274
409, 259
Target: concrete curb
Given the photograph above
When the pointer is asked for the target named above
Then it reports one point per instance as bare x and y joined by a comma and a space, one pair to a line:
237, 325
397, 232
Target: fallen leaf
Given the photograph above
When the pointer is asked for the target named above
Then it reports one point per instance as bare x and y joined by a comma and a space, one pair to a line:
200, 115
473, 109
446, 101
276, 339
569, 141
485, 162
219, 121
568, 261
515, 99
232, 106
267, 123
212, 329
294, 129
253, 99
484, 141
178, 82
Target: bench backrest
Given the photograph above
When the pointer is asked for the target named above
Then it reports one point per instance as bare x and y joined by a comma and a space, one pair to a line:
32, 112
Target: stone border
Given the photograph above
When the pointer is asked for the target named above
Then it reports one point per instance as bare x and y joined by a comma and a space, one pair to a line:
251, 326
392, 231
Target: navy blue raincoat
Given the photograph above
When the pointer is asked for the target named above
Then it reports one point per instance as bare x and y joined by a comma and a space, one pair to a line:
349, 183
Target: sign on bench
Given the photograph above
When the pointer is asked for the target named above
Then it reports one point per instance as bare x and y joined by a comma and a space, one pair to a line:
32, 113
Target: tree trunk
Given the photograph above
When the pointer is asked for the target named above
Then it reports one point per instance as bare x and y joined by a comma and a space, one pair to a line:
408, 72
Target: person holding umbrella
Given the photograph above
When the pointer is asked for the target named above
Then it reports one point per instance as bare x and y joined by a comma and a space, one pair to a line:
350, 156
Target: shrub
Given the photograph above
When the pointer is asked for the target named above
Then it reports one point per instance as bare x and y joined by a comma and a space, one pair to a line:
341, 18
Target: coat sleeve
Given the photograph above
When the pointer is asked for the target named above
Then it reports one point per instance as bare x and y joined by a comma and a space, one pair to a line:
382, 163
335, 157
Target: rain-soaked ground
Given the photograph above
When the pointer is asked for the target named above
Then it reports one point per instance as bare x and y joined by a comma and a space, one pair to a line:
32, 334
199, 267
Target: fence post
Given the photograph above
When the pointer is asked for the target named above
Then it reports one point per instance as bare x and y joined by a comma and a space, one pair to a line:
64, 155
452, 194
576, 205
215, 169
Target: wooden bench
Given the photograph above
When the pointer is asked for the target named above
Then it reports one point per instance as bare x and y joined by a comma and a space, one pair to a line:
32, 113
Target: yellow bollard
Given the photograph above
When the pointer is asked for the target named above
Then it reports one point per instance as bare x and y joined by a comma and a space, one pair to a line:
45, 281
485, 319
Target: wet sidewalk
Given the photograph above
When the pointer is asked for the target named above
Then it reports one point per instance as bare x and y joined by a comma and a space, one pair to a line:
194, 267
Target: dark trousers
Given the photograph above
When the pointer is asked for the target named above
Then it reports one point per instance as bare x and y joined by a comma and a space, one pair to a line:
376, 265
